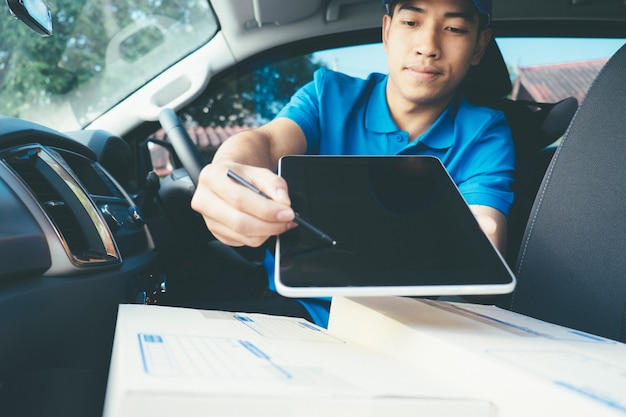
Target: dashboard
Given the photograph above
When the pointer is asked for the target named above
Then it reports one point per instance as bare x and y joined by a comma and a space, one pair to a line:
73, 246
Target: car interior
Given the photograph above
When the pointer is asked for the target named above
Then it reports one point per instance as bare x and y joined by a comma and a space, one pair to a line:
575, 220
535, 127
87, 224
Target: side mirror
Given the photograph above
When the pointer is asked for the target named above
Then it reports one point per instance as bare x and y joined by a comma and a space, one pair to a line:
34, 13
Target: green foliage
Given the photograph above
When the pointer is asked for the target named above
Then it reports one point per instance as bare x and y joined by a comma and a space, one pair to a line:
101, 51
36, 71
32, 67
253, 97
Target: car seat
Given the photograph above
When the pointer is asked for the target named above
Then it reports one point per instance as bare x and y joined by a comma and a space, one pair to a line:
534, 127
572, 264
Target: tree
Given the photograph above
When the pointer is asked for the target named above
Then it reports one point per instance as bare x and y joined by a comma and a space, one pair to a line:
95, 59
253, 97
37, 72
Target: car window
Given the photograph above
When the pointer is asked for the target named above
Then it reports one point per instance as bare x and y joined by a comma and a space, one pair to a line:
100, 53
542, 69
551, 69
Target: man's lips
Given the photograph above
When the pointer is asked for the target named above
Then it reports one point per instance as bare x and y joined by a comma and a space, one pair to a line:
423, 72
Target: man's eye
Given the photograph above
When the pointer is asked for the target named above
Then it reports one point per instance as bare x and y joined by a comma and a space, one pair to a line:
456, 30
409, 23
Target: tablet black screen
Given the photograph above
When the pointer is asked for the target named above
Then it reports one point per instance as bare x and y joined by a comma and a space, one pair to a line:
397, 221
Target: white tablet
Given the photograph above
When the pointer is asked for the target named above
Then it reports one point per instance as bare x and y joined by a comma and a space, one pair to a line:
400, 227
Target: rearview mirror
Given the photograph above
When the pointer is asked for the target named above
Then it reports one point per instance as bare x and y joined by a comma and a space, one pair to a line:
34, 13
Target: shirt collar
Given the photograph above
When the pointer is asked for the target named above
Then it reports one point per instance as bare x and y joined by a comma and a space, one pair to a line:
378, 119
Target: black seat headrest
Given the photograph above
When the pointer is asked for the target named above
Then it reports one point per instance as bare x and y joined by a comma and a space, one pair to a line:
490, 78
533, 125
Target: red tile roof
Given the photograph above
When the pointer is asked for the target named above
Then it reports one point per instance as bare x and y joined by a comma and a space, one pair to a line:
551, 83
208, 137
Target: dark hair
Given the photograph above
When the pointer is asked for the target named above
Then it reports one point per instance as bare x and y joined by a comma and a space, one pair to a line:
483, 22
391, 6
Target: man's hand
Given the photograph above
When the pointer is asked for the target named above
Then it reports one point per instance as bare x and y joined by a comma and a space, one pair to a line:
234, 214
493, 222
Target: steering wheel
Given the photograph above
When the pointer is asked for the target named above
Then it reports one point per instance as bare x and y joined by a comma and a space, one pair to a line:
193, 161
190, 157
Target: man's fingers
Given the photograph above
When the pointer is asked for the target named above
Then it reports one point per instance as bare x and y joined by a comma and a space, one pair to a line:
235, 214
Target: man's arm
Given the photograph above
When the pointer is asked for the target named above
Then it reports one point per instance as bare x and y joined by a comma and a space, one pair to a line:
239, 217
494, 224
232, 213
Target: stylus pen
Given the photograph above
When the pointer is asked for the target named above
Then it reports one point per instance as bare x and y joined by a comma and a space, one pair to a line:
297, 219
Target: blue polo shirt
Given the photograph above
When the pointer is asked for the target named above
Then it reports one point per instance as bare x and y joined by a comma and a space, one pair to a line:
343, 115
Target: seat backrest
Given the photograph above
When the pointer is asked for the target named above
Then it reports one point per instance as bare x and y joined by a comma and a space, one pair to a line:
535, 128
571, 267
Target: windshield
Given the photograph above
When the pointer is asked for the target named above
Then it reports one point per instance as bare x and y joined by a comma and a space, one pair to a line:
101, 51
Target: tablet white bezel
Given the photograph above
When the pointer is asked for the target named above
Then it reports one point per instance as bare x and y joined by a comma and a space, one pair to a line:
384, 290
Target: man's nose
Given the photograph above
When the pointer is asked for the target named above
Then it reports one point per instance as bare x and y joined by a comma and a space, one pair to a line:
428, 42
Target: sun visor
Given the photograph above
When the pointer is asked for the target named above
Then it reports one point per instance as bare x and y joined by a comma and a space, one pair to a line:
281, 12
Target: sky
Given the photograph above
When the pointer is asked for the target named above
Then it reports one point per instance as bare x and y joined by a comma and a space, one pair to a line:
528, 52
516, 51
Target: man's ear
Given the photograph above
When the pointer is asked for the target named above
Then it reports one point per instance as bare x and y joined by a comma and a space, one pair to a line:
385, 30
481, 46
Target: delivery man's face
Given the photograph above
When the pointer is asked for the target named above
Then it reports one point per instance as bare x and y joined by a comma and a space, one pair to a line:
430, 46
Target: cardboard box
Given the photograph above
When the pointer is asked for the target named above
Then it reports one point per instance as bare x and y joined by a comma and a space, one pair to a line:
381, 356
183, 362
526, 367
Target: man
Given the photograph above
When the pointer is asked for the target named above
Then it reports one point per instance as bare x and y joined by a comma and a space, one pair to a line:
416, 109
